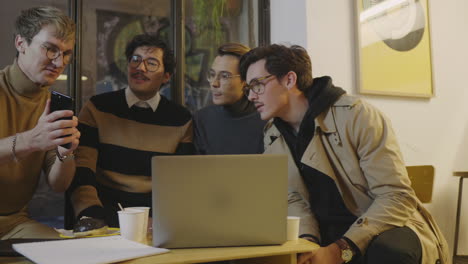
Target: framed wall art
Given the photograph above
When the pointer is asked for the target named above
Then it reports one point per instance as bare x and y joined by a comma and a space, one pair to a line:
394, 50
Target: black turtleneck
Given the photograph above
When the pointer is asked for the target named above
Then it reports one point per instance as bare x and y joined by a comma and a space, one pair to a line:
240, 108
230, 129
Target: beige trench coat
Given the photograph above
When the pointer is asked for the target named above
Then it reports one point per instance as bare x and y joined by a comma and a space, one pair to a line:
355, 145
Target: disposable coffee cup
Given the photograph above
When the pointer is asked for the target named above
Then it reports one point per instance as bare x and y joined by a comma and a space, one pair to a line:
145, 224
292, 232
131, 223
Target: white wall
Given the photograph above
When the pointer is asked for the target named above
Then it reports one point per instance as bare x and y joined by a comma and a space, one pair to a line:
430, 131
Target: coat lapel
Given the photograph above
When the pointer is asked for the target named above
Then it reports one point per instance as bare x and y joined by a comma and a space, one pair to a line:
320, 155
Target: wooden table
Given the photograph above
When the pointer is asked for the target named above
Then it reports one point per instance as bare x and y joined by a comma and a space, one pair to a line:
281, 254
459, 258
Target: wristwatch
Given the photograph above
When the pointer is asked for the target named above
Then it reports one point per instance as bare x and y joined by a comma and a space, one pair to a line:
347, 253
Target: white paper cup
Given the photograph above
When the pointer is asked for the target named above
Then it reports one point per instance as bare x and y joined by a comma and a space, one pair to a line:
145, 224
293, 227
131, 224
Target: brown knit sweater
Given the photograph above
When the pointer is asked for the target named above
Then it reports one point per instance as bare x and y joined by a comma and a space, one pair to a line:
21, 104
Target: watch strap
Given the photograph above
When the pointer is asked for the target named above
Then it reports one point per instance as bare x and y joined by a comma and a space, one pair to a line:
64, 157
347, 253
342, 244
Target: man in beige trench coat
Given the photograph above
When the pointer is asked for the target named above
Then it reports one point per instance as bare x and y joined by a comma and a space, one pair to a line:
347, 178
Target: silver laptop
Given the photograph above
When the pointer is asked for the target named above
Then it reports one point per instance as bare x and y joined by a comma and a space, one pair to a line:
219, 200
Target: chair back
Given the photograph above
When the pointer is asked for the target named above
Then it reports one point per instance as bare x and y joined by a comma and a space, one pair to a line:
422, 181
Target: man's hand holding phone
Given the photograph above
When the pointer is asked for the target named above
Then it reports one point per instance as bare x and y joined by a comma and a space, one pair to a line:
69, 136
54, 129
60, 102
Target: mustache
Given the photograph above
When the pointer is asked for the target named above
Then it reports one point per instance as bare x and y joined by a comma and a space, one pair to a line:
139, 74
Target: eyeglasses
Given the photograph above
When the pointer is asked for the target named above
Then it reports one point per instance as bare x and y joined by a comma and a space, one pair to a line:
223, 77
53, 52
256, 85
151, 65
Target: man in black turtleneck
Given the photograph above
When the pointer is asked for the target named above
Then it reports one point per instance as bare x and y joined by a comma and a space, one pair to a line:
232, 125
347, 178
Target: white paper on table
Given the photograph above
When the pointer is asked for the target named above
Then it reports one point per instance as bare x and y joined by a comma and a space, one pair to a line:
86, 250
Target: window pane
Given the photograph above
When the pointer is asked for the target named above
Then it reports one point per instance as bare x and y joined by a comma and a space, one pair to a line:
107, 27
210, 23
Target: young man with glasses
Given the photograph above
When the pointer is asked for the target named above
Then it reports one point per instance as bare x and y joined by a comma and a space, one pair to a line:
231, 125
121, 131
30, 135
347, 181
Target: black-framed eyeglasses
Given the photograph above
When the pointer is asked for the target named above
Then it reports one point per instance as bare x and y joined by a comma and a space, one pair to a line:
53, 52
223, 76
151, 65
256, 85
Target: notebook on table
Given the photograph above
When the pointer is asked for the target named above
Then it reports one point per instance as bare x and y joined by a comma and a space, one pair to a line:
219, 200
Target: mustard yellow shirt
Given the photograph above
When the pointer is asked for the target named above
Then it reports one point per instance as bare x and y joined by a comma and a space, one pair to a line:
21, 104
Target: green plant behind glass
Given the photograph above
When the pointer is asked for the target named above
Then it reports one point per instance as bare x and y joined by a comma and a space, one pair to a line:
207, 18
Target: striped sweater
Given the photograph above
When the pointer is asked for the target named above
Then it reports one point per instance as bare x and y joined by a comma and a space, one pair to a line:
117, 143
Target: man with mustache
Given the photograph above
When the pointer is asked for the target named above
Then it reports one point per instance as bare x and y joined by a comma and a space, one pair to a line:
347, 177
30, 135
121, 131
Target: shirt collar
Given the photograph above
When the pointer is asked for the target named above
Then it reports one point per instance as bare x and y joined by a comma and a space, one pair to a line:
132, 100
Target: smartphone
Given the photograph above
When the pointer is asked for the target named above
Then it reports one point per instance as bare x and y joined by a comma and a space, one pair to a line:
60, 101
